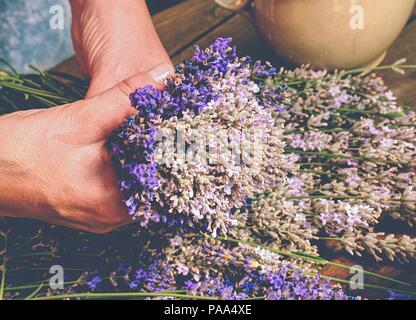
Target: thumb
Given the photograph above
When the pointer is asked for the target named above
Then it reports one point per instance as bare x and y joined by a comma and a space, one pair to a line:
105, 112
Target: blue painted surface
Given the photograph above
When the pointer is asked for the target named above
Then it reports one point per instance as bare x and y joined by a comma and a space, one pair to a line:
26, 36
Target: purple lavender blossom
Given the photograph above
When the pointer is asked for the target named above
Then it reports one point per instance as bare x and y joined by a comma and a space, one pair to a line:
284, 284
94, 282
195, 86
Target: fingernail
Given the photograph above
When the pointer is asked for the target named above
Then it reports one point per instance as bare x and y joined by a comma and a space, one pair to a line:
160, 72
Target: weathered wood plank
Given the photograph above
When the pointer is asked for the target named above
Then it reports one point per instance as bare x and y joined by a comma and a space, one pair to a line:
244, 35
178, 27
392, 270
70, 66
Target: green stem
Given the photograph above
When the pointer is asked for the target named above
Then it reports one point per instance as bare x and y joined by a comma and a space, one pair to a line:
57, 86
339, 197
125, 295
341, 156
366, 285
315, 129
387, 115
320, 172
34, 293
306, 257
3, 271
331, 238
25, 243
8, 65
379, 68
314, 163
15, 108
47, 102
23, 89
323, 197
36, 284
44, 269
32, 255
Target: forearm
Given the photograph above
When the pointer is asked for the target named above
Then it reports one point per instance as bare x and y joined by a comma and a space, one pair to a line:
18, 194
17, 199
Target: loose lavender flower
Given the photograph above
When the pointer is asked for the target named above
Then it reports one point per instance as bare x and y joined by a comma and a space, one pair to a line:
94, 282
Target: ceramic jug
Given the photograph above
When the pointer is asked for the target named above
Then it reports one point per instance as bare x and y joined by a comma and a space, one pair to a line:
333, 34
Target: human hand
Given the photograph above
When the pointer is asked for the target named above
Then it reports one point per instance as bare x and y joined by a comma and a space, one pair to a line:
54, 165
114, 41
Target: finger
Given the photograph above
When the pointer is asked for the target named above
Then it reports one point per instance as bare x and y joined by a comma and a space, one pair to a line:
91, 221
106, 112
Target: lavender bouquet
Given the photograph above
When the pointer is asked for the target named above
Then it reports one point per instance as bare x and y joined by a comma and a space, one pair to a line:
201, 147
320, 157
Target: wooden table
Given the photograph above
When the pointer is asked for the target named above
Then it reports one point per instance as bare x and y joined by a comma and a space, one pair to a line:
199, 22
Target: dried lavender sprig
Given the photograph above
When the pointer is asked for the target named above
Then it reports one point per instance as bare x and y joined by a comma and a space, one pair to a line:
394, 247
378, 173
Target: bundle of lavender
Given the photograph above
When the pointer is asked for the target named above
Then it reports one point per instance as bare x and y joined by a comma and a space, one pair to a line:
202, 146
333, 154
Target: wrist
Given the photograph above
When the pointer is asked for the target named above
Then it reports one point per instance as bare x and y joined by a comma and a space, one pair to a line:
20, 194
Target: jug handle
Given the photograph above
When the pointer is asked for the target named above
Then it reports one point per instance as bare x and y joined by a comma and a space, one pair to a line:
242, 7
